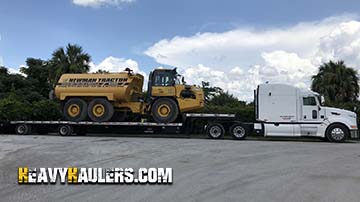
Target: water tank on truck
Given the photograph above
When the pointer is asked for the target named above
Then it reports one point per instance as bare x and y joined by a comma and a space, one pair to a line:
113, 96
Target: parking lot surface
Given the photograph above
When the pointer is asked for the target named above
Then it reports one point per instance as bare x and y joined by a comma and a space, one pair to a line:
203, 169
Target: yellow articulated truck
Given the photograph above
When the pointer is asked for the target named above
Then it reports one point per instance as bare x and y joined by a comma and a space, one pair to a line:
99, 96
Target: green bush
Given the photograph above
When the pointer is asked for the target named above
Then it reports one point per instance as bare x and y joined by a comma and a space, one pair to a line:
15, 108
226, 103
45, 110
12, 109
244, 113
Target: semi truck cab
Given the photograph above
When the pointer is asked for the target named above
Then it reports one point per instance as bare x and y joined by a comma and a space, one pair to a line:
284, 110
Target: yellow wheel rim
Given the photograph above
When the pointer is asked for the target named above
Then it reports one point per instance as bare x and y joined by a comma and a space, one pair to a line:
98, 110
164, 110
74, 110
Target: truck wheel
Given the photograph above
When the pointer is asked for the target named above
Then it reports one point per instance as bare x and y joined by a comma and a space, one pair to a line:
238, 131
100, 110
164, 110
215, 130
65, 130
337, 133
23, 129
75, 109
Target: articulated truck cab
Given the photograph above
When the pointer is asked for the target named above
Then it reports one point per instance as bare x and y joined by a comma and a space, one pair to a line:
283, 110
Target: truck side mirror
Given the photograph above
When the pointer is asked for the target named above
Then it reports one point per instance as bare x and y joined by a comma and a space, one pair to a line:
322, 100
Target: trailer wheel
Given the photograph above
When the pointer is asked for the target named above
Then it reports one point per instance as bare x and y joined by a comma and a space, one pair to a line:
164, 110
337, 133
100, 110
75, 109
238, 131
23, 129
65, 130
215, 130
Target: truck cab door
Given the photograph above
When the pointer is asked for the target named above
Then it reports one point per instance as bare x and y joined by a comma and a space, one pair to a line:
310, 117
310, 109
163, 83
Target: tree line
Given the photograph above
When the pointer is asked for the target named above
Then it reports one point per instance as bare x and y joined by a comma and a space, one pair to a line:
339, 85
25, 96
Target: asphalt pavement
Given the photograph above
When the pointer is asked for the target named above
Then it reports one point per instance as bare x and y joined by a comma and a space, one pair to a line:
203, 169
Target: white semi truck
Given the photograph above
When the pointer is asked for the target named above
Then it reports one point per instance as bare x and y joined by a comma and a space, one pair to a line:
280, 110
283, 110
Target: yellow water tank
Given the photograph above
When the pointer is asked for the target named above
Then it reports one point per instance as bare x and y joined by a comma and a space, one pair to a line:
119, 87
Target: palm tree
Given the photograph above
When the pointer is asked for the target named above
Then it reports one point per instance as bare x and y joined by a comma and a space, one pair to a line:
72, 59
337, 82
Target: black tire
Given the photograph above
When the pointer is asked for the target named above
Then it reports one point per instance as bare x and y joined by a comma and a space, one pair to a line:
65, 130
75, 109
164, 110
23, 129
337, 133
106, 113
238, 131
215, 130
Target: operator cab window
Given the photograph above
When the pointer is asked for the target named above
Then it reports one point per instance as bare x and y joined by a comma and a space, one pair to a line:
309, 101
164, 78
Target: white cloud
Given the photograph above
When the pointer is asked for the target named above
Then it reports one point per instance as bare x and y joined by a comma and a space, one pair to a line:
342, 43
13, 71
16, 71
113, 64
239, 59
101, 3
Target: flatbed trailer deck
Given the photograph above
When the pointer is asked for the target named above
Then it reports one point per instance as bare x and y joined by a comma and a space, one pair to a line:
214, 125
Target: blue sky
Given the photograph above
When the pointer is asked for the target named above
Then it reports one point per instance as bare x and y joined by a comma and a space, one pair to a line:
35, 28
128, 30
